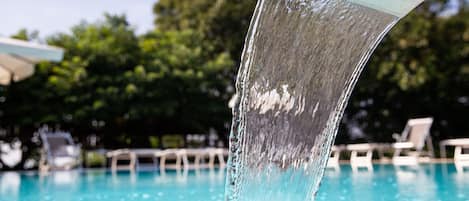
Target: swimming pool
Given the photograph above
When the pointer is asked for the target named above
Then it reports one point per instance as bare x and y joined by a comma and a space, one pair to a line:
384, 182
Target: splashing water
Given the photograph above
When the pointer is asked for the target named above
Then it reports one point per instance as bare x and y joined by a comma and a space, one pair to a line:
301, 61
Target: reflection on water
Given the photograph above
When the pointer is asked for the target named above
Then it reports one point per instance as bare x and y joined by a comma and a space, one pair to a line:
383, 182
462, 166
362, 176
461, 180
367, 167
9, 185
65, 178
332, 171
108, 186
410, 179
129, 179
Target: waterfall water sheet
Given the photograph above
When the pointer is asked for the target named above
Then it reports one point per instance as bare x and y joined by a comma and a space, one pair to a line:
301, 61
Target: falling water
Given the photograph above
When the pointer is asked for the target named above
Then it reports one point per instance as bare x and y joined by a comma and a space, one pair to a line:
301, 60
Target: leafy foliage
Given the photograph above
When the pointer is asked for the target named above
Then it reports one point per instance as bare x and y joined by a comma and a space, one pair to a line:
223, 23
419, 70
178, 78
123, 86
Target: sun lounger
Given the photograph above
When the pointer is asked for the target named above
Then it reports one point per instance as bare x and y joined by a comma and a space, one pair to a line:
333, 161
59, 151
412, 141
461, 157
407, 150
180, 155
461, 142
220, 153
122, 155
212, 154
361, 155
132, 156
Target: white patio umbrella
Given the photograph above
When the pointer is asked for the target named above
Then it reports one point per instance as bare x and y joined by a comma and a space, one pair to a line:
17, 58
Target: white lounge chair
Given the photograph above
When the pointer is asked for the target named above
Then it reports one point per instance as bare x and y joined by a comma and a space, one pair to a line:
122, 154
132, 156
361, 155
10, 153
461, 143
408, 148
209, 153
333, 161
59, 151
180, 155
461, 158
199, 156
219, 153
411, 143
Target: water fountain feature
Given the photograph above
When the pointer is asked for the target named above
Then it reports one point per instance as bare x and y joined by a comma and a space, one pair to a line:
301, 61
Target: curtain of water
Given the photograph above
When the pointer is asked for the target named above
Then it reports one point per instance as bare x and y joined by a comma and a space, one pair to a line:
301, 60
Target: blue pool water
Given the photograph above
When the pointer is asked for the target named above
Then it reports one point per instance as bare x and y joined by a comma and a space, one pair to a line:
384, 182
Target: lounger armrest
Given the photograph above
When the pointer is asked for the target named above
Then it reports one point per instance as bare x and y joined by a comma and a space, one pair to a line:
396, 137
403, 145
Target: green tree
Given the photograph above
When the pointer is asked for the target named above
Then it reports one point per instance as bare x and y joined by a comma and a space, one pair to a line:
178, 78
420, 69
223, 23
191, 86
85, 87
124, 87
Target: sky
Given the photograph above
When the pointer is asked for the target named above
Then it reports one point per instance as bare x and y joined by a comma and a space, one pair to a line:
52, 16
